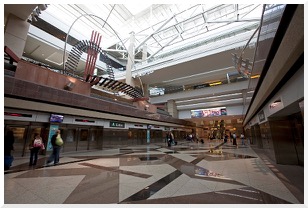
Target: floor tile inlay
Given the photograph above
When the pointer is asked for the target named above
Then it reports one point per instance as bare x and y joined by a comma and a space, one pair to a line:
188, 173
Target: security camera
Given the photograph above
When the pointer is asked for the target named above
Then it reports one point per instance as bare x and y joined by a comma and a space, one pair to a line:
29, 19
33, 17
42, 7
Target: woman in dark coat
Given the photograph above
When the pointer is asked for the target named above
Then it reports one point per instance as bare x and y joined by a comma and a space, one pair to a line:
8, 147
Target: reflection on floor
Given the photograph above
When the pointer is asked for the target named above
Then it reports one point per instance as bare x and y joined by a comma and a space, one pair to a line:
188, 173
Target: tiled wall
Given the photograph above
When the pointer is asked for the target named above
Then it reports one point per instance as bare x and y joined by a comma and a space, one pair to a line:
36, 74
283, 141
278, 141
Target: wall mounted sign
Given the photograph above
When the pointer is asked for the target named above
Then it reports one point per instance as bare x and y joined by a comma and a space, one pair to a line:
275, 106
52, 130
18, 114
84, 120
117, 124
261, 116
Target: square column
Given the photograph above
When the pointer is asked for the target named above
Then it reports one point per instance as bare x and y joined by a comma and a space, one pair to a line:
15, 34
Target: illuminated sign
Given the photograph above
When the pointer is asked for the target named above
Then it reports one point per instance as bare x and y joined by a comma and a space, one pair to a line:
17, 114
84, 120
200, 113
117, 124
275, 106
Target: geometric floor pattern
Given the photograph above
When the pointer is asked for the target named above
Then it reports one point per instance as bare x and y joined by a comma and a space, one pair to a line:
187, 173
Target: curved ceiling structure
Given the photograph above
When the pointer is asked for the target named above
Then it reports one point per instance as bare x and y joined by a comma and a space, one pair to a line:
189, 48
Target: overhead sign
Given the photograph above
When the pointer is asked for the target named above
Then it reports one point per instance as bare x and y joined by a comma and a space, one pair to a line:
117, 124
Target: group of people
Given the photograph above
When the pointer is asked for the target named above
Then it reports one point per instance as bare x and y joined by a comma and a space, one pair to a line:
233, 139
35, 146
189, 137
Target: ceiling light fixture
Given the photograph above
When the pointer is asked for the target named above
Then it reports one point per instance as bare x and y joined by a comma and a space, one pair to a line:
255, 76
198, 75
218, 96
215, 83
215, 102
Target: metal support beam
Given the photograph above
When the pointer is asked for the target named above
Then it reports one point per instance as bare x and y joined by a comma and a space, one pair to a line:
164, 46
114, 50
147, 38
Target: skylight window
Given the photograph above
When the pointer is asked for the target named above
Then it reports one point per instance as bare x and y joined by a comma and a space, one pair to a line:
136, 8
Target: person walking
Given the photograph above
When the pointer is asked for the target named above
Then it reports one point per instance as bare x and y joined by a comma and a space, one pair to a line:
169, 138
226, 138
234, 139
56, 142
172, 139
35, 146
242, 138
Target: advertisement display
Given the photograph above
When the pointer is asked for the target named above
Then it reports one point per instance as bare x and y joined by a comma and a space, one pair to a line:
52, 130
55, 118
200, 113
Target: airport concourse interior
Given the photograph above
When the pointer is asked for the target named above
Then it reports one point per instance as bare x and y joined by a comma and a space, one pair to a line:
153, 104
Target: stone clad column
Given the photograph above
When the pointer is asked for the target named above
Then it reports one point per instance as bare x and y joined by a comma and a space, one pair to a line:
15, 34
146, 90
172, 110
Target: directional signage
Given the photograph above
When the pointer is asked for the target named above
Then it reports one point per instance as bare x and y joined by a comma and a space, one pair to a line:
117, 124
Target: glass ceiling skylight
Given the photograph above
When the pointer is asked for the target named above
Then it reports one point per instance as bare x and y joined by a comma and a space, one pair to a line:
136, 8
164, 27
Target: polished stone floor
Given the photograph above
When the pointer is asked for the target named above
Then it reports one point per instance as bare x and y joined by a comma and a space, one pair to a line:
188, 173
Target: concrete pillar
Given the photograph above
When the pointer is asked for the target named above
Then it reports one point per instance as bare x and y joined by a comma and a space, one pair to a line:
146, 90
130, 60
15, 34
172, 110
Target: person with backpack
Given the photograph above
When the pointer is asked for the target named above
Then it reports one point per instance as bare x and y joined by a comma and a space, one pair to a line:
35, 146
